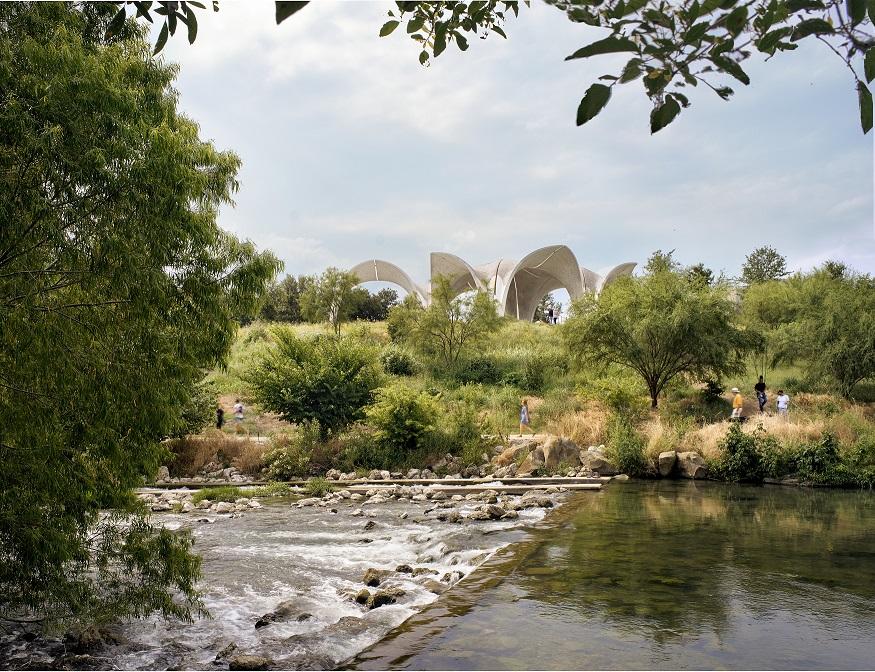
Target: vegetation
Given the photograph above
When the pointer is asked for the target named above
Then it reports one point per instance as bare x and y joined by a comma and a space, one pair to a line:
328, 380
403, 421
221, 493
329, 298
762, 265
118, 290
317, 487
660, 326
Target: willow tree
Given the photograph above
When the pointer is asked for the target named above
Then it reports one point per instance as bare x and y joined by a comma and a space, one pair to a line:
117, 290
660, 326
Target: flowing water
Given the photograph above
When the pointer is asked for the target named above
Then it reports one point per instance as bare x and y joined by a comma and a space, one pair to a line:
664, 575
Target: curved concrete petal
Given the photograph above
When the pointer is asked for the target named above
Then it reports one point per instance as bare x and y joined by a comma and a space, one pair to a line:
383, 271
535, 275
618, 271
463, 277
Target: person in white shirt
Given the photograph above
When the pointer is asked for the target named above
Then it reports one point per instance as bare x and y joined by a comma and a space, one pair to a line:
783, 403
238, 410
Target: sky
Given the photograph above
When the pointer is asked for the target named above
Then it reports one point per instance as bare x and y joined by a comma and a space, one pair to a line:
351, 150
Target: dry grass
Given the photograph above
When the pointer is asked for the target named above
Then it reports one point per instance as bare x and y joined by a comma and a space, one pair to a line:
587, 427
194, 452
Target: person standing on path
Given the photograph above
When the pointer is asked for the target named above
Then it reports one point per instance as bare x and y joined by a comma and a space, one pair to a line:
549, 316
238, 410
760, 389
737, 404
524, 417
783, 404
220, 417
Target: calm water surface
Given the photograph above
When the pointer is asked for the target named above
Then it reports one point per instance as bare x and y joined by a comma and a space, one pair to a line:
664, 575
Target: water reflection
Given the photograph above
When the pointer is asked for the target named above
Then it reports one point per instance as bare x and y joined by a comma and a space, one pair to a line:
668, 575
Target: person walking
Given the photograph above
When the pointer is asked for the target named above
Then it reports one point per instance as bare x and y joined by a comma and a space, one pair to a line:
737, 404
760, 389
238, 410
783, 404
550, 316
220, 417
524, 417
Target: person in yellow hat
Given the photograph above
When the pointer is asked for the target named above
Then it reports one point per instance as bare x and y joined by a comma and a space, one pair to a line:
737, 404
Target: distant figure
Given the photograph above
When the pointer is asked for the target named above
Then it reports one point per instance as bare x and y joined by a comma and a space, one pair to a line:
238, 410
783, 403
760, 389
549, 316
556, 315
524, 417
737, 404
220, 417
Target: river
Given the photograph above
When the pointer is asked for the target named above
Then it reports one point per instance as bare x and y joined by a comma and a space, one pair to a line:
664, 575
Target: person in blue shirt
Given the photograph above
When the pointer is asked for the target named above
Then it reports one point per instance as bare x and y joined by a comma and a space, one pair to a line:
524, 417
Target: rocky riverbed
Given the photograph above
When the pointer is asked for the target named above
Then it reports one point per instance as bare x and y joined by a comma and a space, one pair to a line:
302, 584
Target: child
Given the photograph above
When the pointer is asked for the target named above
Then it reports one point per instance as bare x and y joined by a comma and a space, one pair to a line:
783, 403
737, 404
238, 410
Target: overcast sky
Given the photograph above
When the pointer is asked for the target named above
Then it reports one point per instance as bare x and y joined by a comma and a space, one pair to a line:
351, 150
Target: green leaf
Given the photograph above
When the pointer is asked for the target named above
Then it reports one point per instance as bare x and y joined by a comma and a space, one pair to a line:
769, 41
593, 102
162, 39
697, 32
460, 40
388, 27
663, 115
632, 71
733, 68
285, 9
415, 24
610, 45
423, 57
811, 27
684, 101
191, 22
117, 23
800, 5
737, 20
724, 92
869, 64
865, 106
857, 11
497, 29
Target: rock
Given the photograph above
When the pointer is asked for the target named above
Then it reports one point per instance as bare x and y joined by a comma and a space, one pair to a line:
594, 459
449, 516
356, 497
224, 653
308, 501
373, 577
377, 499
419, 571
404, 569
480, 514
403, 515
246, 662
384, 597
283, 612
370, 525
433, 586
204, 504
532, 464
363, 596
163, 474
621, 477
691, 465
375, 475
438, 496
667, 460
344, 494
510, 515
452, 577
560, 450
332, 474
255, 505
414, 473
357, 512
161, 506
495, 512
427, 474
509, 455
511, 470
224, 507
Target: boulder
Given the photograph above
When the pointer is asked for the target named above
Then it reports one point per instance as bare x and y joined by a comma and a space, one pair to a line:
404, 569
283, 612
224, 507
245, 662
495, 512
510, 455
692, 465
594, 459
532, 464
433, 586
384, 597
332, 474
667, 460
363, 596
163, 474
224, 653
373, 577
413, 473
560, 450
451, 516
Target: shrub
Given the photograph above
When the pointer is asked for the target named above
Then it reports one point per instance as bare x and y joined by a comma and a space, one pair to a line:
532, 378
480, 369
819, 462
360, 449
397, 361
740, 459
623, 396
461, 431
317, 487
290, 454
626, 447
712, 393
327, 379
223, 493
403, 420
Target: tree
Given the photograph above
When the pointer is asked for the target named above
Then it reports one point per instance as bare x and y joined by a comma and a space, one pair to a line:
117, 291
372, 307
762, 265
283, 300
835, 269
660, 262
659, 326
700, 275
451, 326
329, 298
327, 379
403, 419
543, 308
673, 46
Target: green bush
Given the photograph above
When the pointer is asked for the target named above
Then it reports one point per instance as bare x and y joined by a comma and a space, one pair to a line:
740, 459
317, 487
622, 395
460, 432
403, 421
222, 493
479, 369
327, 379
360, 449
626, 447
397, 361
290, 456
820, 463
